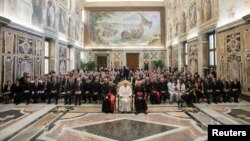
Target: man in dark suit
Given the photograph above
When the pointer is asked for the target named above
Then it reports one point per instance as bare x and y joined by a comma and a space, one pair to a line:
163, 89
69, 90
35, 90
225, 90
27, 87
86, 88
53, 90
96, 88
208, 89
78, 91
235, 89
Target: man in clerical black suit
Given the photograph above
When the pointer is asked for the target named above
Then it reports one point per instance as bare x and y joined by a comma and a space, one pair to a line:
35, 89
163, 89
96, 88
27, 87
68, 89
54, 87
87, 91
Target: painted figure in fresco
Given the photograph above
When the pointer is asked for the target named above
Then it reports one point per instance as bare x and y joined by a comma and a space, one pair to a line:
37, 11
77, 30
192, 17
193, 66
71, 27
62, 67
50, 14
136, 33
206, 10
183, 22
62, 26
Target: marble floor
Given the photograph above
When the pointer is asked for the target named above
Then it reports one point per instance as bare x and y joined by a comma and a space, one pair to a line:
42, 122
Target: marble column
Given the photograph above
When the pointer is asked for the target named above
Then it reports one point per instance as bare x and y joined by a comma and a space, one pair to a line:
82, 56
181, 56
203, 61
3, 22
169, 56
71, 58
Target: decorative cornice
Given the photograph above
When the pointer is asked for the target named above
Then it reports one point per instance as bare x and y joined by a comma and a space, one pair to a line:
4, 21
192, 39
246, 18
231, 25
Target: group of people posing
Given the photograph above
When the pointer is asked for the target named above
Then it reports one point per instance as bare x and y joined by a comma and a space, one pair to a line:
157, 86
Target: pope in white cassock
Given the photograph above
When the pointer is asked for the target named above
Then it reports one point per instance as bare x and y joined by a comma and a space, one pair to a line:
125, 94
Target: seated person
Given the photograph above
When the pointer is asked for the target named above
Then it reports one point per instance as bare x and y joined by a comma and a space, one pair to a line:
7, 92
125, 94
181, 88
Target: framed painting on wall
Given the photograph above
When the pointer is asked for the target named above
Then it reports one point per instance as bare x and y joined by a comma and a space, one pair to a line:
124, 27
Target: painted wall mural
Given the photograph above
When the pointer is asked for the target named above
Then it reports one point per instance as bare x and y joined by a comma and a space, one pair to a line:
193, 68
64, 2
63, 58
71, 27
193, 57
62, 66
206, 10
231, 10
192, 15
51, 14
182, 22
124, 28
63, 21
37, 12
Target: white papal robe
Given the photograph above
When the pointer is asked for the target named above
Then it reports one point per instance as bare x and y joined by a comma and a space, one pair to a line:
125, 94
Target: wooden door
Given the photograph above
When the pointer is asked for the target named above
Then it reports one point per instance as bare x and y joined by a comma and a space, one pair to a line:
102, 61
133, 60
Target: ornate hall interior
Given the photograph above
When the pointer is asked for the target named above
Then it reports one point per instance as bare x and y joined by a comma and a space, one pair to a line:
63, 61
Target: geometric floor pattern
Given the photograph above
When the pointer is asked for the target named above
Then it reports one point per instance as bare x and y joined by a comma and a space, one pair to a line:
44, 122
